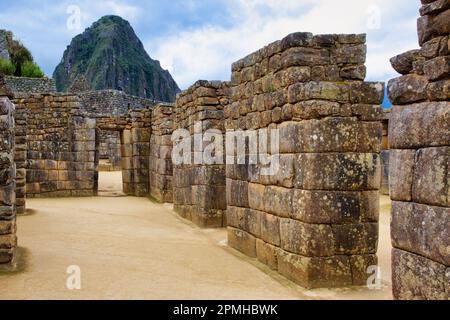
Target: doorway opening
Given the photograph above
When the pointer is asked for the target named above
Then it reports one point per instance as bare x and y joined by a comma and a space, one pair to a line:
109, 163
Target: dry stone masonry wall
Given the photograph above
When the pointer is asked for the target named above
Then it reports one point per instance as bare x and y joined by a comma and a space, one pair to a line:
8, 239
420, 161
160, 162
199, 187
60, 146
316, 219
136, 153
22, 85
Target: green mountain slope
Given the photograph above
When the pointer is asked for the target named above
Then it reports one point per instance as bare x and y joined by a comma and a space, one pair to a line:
111, 56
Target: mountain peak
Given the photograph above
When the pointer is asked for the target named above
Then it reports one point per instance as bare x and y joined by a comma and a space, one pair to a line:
110, 56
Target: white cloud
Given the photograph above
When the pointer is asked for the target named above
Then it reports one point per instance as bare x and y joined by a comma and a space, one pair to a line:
207, 52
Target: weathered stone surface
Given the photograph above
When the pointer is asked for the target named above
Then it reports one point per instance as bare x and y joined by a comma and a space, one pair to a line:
403, 63
278, 201
270, 229
401, 170
422, 229
421, 124
237, 193
345, 172
437, 68
407, 89
434, 7
431, 180
361, 238
433, 26
359, 265
311, 240
267, 254
315, 272
242, 241
417, 278
319, 210
335, 207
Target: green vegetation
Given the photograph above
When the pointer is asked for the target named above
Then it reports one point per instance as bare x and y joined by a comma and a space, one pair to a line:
31, 70
7, 67
21, 63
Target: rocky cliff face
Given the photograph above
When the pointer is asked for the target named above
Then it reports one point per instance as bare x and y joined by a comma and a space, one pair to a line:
111, 56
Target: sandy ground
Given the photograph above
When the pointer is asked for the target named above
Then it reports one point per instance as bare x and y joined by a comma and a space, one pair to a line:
132, 248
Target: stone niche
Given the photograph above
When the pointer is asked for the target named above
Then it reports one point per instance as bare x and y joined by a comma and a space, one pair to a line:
160, 161
199, 186
8, 239
315, 218
420, 160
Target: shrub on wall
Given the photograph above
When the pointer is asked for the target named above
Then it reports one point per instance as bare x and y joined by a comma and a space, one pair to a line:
7, 67
31, 70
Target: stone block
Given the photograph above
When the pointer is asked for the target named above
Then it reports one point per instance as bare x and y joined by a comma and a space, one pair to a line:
270, 229
417, 278
242, 241
237, 193
335, 207
408, 89
311, 240
338, 171
401, 172
437, 68
277, 201
422, 124
267, 254
359, 265
431, 181
351, 239
422, 229
315, 272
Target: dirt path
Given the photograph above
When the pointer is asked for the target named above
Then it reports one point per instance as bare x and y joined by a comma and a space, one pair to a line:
132, 248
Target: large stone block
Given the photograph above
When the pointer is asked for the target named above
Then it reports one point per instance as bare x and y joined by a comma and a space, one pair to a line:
401, 172
312, 240
352, 239
422, 124
242, 241
430, 26
315, 272
270, 229
338, 171
267, 254
335, 207
418, 278
431, 182
278, 201
408, 89
422, 229
237, 193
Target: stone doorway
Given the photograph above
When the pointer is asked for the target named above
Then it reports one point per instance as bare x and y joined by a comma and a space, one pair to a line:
109, 153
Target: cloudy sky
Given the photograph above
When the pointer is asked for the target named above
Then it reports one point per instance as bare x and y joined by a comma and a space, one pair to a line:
199, 39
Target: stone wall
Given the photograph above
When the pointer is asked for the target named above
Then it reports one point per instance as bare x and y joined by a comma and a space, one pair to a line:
20, 156
196, 186
110, 103
110, 149
420, 160
316, 219
8, 239
21, 85
160, 161
60, 144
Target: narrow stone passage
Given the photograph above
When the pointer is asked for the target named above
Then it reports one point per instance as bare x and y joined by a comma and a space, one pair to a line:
132, 248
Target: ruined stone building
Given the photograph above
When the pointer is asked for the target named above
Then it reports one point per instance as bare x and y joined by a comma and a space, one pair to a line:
307, 206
